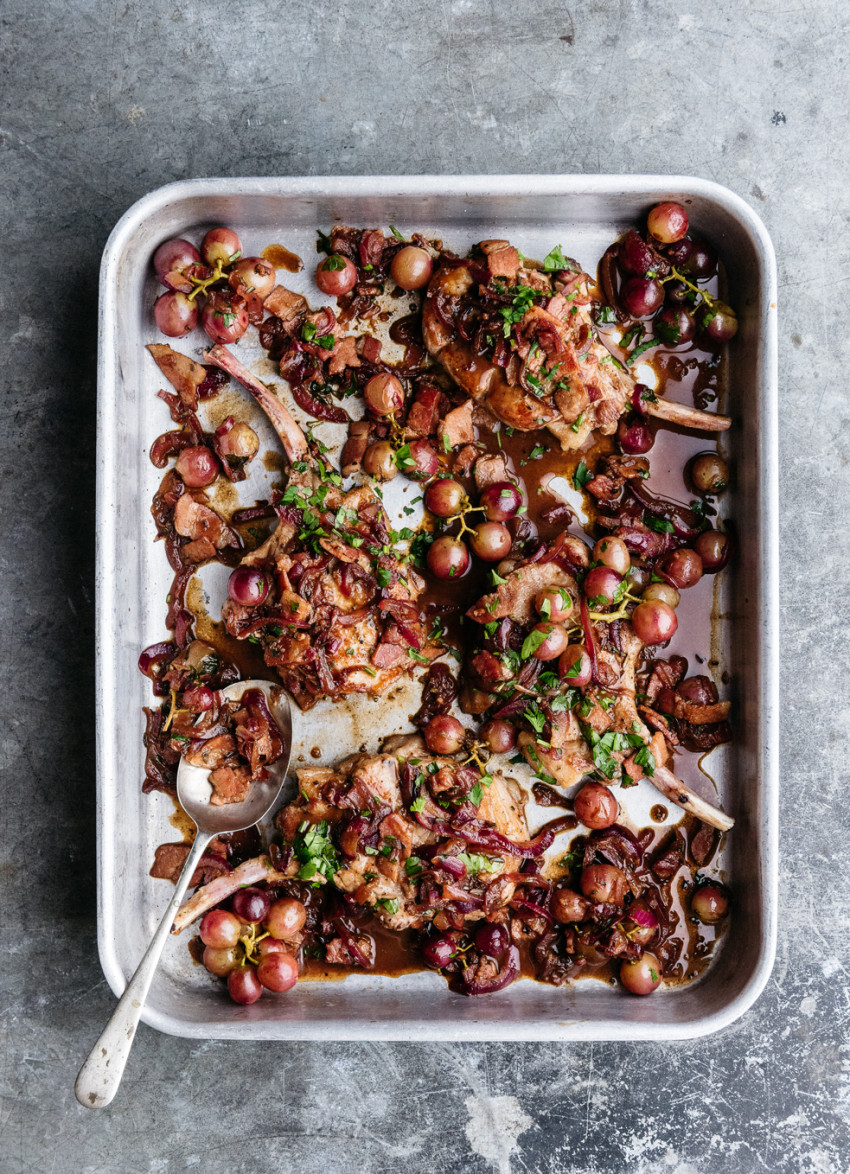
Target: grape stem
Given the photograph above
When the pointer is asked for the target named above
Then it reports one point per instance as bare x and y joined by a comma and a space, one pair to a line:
675, 275
620, 614
201, 285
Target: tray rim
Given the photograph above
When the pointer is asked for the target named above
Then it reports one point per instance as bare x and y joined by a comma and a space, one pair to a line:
473, 187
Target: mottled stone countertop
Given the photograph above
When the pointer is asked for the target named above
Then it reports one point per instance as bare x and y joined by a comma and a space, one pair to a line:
103, 102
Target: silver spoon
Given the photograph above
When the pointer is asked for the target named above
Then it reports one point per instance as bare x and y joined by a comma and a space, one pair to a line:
98, 1079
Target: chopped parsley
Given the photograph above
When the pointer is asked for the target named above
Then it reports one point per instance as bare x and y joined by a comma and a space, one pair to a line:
531, 643
314, 849
556, 260
659, 525
535, 717
581, 476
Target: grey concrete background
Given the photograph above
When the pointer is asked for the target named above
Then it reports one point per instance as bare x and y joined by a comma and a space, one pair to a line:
104, 101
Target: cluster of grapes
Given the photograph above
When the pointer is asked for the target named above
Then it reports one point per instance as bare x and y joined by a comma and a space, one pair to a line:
251, 945
665, 266
217, 284
490, 540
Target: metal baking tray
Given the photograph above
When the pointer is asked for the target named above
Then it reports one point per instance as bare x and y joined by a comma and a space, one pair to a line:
584, 213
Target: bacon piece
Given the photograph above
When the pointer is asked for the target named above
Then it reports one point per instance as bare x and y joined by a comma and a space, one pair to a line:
183, 373
456, 427
343, 355
194, 520
230, 784
288, 306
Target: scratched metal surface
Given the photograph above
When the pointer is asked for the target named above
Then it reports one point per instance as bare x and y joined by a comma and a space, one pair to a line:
103, 102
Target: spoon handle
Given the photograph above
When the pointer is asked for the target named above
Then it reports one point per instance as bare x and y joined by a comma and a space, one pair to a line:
98, 1079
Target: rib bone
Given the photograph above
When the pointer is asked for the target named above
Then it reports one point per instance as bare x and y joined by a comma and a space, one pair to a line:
686, 417
291, 437
257, 869
675, 790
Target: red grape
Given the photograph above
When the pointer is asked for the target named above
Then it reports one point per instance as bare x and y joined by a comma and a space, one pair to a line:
411, 267
286, 917
251, 904
425, 460
379, 461
439, 951
654, 621
336, 275
596, 806
448, 558
666, 592
567, 905
501, 501
384, 395
604, 883
171, 260
221, 960
243, 984
641, 296
221, 244
278, 972
720, 322
491, 541
702, 262
198, 699
197, 465
492, 940
713, 548
499, 735
220, 929
444, 735
709, 473
240, 441
635, 435
635, 254
574, 667
175, 315
253, 275
710, 904
613, 553
641, 976
445, 497
683, 567
601, 586
674, 325
248, 586
225, 316
554, 642
668, 222
554, 603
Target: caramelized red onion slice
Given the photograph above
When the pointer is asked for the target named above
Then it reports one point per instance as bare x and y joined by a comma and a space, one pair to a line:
351, 945
483, 836
154, 656
509, 970
589, 639
318, 407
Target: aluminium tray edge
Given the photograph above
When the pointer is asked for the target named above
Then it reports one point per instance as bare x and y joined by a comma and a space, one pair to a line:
473, 187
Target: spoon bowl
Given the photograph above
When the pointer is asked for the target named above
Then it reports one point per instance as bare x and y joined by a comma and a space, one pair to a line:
100, 1076
193, 782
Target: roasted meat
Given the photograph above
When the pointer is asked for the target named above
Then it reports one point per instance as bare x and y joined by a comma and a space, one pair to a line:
523, 341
